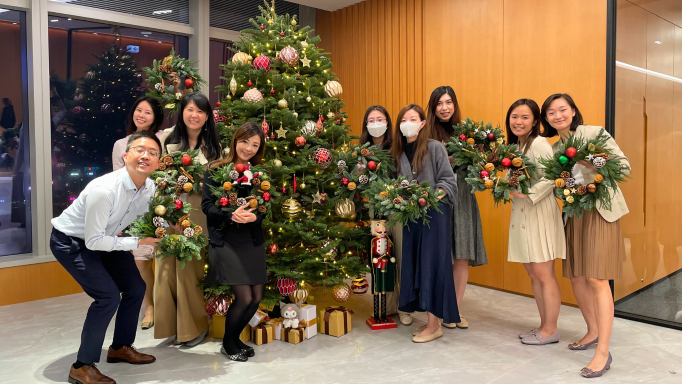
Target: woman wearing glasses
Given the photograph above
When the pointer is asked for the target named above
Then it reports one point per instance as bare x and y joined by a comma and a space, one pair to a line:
145, 115
178, 296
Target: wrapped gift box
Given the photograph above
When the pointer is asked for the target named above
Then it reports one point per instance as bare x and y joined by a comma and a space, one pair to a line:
257, 318
277, 327
246, 334
262, 334
335, 321
308, 319
293, 335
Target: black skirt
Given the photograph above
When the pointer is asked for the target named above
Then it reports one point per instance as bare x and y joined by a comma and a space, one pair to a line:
237, 263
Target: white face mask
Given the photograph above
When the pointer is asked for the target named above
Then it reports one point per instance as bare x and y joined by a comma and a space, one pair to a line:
376, 129
409, 129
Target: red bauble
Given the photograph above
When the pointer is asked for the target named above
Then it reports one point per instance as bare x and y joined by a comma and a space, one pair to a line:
266, 196
273, 249
239, 168
506, 162
361, 224
264, 127
422, 202
186, 160
189, 83
262, 62
319, 125
284, 189
571, 152
178, 204
463, 137
285, 286
324, 197
272, 91
491, 136
281, 34
371, 165
300, 141
323, 157
272, 136
223, 201
249, 83
484, 174
262, 27
344, 181
217, 104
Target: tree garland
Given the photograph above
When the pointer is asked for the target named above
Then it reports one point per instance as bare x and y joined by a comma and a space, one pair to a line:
473, 142
178, 173
518, 168
360, 167
167, 208
164, 80
403, 200
577, 197
227, 177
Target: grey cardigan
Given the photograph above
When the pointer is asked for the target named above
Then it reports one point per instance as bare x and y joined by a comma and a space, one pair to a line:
437, 171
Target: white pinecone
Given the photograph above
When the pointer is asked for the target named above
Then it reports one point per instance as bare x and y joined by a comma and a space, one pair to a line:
363, 179
234, 174
188, 232
570, 182
341, 164
599, 162
182, 180
158, 221
241, 201
404, 183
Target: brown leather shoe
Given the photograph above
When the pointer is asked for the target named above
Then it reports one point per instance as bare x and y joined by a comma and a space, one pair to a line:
129, 355
88, 374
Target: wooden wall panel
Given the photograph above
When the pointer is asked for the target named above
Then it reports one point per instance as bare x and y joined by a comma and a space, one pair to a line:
35, 282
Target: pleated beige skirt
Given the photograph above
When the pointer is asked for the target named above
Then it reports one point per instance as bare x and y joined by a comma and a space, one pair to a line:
594, 248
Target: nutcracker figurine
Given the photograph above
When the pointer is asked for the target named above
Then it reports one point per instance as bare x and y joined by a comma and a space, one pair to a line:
383, 274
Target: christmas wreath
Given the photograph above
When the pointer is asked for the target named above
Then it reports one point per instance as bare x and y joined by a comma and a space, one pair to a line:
403, 200
229, 177
179, 173
360, 167
164, 80
162, 210
582, 195
473, 142
504, 158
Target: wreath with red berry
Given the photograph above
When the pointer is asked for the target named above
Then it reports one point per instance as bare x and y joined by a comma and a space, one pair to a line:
579, 196
473, 142
165, 80
358, 168
178, 173
231, 176
403, 200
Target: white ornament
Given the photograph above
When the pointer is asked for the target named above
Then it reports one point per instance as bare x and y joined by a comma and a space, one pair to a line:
309, 128
333, 88
233, 85
188, 232
158, 87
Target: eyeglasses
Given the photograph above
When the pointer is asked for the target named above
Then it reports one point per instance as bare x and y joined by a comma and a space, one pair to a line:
153, 153
379, 120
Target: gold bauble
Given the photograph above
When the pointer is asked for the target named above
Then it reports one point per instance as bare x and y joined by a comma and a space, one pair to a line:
598, 178
278, 163
227, 186
299, 296
517, 162
291, 208
489, 167
233, 85
302, 186
160, 210
341, 293
570, 199
282, 104
345, 209
308, 99
242, 58
270, 21
333, 88
293, 22
265, 185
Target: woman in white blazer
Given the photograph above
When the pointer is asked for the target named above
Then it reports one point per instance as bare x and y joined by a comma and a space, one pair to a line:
594, 246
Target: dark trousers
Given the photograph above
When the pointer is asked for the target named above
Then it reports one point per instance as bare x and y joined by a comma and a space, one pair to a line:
113, 281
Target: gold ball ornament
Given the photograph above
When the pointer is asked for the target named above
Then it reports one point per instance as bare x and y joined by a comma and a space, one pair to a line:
517, 162
570, 199
302, 186
270, 21
242, 58
351, 186
293, 22
308, 99
341, 293
227, 186
188, 187
291, 208
489, 167
299, 296
278, 163
333, 88
160, 210
489, 184
559, 183
281, 104
345, 209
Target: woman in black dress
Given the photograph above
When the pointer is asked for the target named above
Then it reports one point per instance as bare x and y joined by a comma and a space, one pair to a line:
234, 260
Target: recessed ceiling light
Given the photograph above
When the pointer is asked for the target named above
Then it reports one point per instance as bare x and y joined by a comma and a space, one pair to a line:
54, 21
160, 41
165, 11
94, 33
4, 10
146, 33
658, 42
68, 18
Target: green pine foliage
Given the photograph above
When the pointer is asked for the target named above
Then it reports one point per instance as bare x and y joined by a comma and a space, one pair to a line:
355, 166
470, 143
300, 118
224, 189
167, 80
403, 200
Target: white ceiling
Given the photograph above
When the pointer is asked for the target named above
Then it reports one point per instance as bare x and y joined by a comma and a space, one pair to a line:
327, 5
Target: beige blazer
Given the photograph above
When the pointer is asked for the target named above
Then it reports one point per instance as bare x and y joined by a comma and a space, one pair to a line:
618, 206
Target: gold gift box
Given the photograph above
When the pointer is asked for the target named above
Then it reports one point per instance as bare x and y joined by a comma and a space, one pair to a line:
335, 321
246, 334
293, 335
262, 334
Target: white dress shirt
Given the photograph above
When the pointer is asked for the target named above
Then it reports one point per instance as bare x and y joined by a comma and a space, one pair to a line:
107, 205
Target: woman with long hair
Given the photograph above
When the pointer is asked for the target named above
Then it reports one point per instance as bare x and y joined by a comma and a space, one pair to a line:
594, 245
236, 252
426, 282
377, 128
146, 114
467, 231
178, 298
536, 230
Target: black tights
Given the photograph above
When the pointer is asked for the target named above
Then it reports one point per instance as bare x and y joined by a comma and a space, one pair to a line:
246, 301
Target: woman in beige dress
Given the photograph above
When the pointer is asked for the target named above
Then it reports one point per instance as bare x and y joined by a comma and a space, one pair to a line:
146, 114
178, 296
536, 232
594, 246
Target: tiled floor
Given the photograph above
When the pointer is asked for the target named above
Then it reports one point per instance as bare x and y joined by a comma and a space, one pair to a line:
38, 342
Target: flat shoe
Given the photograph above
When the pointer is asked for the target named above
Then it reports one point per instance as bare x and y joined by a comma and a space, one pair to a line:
147, 324
405, 318
529, 333
237, 357
463, 323
588, 373
249, 352
582, 347
418, 330
537, 339
194, 342
426, 338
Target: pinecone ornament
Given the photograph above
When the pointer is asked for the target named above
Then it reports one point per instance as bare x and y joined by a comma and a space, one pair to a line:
514, 181
599, 162
397, 200
158, 221
341, 164
234, 174
493, 158
233, 198
160, 232
565, 175
188, 232
168, 161
518, 172
582, 190
363, 179
262, 209
162, 167
241, 201
364, 152
255, 181
182, 179
570, 182
404, 183
197, 231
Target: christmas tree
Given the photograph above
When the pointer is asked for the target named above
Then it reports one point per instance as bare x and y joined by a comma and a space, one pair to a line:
279, 79
95, 119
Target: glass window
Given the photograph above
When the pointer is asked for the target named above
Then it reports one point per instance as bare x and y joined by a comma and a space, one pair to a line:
95, 77
235, 15
220, 53
15, 171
